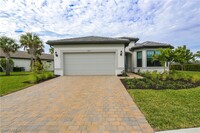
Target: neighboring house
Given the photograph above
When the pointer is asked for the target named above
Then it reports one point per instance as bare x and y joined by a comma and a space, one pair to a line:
94, 55
22, 59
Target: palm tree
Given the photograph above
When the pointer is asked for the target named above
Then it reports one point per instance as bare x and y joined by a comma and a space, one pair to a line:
51, 50
33, 44
8, 45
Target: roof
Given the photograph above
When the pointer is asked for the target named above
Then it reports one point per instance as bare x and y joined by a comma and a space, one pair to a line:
135, 39
150, 44
25, 55
90, 40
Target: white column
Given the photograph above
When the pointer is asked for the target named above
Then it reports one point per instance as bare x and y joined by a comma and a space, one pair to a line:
144, 58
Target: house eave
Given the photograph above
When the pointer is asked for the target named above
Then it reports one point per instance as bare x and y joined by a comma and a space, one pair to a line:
142, 47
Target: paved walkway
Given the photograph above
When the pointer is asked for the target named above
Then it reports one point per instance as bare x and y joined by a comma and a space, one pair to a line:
187, 130
131, 75
95, 104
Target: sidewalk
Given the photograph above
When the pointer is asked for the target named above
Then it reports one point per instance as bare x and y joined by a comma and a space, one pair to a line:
188, 130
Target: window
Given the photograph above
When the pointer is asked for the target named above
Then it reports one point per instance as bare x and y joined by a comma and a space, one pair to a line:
139, 59
150, 62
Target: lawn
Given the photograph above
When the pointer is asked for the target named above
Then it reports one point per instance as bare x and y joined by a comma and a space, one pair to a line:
16, 81
169, 109
19, 80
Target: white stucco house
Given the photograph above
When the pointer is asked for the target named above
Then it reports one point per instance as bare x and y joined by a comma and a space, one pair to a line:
93, 55
22, 59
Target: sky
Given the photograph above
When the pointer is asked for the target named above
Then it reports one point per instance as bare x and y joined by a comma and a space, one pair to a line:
176, 22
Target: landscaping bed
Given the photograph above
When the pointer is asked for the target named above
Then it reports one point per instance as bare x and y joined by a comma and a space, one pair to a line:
159, 81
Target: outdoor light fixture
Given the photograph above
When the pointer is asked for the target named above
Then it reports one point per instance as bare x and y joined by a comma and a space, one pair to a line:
120, 53
56, 54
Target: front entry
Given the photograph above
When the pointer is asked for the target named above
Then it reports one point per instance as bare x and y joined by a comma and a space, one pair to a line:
128, 62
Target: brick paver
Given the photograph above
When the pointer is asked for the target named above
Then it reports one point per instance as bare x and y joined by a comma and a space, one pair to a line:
82, 104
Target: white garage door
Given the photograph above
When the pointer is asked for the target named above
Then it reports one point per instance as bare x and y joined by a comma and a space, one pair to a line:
89, 64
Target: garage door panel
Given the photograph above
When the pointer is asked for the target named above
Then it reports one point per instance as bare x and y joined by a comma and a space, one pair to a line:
89, 64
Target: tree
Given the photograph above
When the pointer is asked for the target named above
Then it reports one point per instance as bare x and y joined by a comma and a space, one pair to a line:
51, 50
33, 44
197, 54
166, 55
8, 45
183, 55
3, 63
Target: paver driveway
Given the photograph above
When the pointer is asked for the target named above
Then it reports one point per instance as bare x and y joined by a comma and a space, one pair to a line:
73, 104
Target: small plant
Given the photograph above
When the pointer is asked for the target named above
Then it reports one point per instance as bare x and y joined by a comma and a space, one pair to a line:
194, 78
154, 76
41, 73
175, 76
164, 76
124, 73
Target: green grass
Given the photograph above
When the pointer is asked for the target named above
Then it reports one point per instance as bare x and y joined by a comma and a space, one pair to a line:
16, 81
170, 109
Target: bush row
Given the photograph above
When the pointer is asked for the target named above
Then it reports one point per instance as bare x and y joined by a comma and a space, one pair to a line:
158, 85
154, 76
42, 77
155, 80
18, 69
186, 67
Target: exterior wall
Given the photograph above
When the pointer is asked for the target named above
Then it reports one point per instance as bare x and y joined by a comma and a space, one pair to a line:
76, 48
26, 64
144, 67
22, 63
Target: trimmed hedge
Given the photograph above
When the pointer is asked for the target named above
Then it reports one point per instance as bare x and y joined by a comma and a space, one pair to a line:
18, 69
186, 67
175, 67
191, 67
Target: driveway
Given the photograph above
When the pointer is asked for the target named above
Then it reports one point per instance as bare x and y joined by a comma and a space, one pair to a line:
95, 104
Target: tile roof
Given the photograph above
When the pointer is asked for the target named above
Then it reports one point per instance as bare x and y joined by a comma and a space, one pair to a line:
92, 40
150, 44
25, 55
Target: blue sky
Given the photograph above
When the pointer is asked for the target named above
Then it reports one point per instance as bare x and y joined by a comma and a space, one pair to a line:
170, 21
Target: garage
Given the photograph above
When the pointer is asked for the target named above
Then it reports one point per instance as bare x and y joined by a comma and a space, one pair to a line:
90, 55
95, 63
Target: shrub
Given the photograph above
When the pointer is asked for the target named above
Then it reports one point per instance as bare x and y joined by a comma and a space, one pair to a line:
1, 69
18, 69
164, 76
175, 67
192, 67
154, 76
174, 76
186, 67
147, 74
194, 78
146, 83
41, 77
38, 67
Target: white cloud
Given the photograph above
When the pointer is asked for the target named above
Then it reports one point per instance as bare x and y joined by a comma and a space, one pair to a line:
175, 22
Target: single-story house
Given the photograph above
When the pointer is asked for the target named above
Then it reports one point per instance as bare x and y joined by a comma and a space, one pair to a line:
93, 55
22, 59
